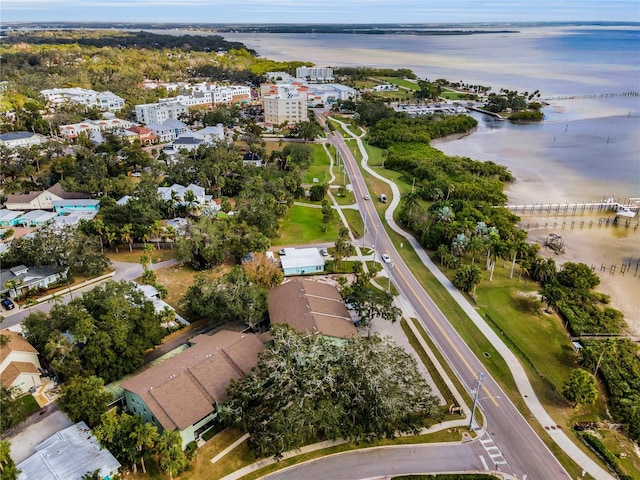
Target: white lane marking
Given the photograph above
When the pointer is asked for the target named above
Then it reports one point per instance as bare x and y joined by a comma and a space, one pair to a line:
484, 463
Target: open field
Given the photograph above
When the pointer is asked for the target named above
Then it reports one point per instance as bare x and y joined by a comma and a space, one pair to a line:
319, 167
402, 82
303, 225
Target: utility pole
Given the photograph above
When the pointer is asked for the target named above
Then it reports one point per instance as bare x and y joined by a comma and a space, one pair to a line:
475, 398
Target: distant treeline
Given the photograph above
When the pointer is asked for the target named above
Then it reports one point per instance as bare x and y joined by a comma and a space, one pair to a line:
102, 38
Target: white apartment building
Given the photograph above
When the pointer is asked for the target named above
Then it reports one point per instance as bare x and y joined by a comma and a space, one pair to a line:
105, 101
283, 103
72, 131
159, 112
315, 74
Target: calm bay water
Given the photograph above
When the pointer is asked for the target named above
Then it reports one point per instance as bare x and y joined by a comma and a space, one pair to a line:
585, 149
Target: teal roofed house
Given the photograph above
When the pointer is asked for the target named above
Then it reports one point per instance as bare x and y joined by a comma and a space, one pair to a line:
74, 205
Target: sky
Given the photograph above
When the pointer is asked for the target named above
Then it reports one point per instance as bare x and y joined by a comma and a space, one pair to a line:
319, 11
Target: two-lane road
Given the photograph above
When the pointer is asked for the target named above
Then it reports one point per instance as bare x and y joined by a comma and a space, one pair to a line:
510, 442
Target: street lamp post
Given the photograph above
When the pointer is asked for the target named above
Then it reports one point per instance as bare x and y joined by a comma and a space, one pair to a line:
475, 398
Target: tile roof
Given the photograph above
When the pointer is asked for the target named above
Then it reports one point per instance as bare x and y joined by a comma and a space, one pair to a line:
310, 307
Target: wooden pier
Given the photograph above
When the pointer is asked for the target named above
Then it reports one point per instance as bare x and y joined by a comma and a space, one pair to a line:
631, 205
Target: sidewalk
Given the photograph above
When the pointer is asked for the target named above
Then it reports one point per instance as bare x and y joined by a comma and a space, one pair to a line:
519, 374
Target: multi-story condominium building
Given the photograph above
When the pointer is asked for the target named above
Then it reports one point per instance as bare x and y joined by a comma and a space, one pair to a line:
284, 103
159, 112
315, 74
105, 101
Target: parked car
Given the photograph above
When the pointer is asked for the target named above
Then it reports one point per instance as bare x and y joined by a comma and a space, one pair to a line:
136, 174
7, 304
386, 258
349, 303
324, 252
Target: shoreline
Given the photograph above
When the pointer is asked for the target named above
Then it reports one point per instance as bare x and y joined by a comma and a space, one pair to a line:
538, 179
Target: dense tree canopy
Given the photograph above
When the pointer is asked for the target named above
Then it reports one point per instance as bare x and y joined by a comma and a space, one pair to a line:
307, 389
232, 298
105, 332
84, 399
63, 248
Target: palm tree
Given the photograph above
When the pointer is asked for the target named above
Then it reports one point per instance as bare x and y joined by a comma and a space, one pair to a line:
191, 202
126, 235
156, 232
476, 245
145, 436
110, 236
170, 234
459, 245
13, 284
445, 215
172, 458
410, 200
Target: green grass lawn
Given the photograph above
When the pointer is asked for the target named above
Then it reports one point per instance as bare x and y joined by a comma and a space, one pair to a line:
354, 219
348, 199
303, 225
453, 95
319, 167
401, 82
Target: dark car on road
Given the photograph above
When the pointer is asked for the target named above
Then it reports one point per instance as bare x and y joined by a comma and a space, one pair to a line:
7, 304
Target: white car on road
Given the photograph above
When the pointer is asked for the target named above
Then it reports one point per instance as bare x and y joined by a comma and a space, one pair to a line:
386, 258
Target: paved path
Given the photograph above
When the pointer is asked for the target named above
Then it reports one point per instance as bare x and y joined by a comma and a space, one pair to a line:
519, 374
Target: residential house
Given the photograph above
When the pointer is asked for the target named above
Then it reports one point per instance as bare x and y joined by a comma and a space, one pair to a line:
183, 392
69, 455
298, 261
151, 293
144, 135
169, 130
21, 139
188, 142
310, 308
9, 218
36, 218
41, 199
212, 134
76, 205
176, 193
17, 280
19, 363
252, 159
